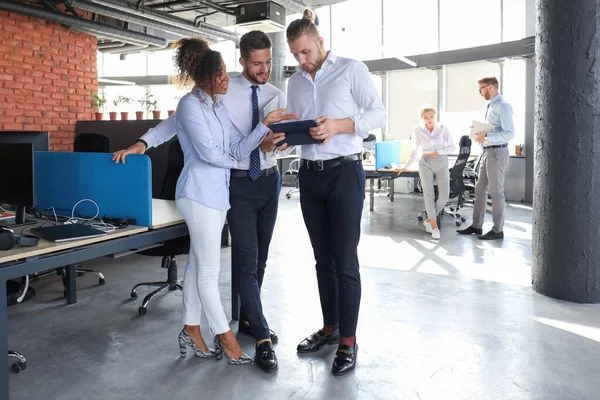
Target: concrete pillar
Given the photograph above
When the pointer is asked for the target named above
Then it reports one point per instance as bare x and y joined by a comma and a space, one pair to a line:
566, 217
279, 51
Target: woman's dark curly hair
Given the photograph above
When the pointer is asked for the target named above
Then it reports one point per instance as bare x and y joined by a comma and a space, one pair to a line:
197, 65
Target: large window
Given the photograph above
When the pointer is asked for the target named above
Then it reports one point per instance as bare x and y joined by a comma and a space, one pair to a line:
356, 29
408, 90
132, 65
469, 23
463, 101
514, 20
161, 63
410, 27
513, 90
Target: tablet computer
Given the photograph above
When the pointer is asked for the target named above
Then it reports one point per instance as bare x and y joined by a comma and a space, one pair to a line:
296, 132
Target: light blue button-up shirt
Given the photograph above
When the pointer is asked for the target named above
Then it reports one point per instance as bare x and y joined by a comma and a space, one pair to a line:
342, 88
209, 149
499, 114
238, 102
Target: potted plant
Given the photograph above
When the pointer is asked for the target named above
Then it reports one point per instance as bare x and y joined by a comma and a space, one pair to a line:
113, 114
98, 103
146, 102
123, 100
155, 111
140, 114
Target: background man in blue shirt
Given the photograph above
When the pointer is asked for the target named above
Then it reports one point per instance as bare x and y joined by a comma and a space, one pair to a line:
494, 160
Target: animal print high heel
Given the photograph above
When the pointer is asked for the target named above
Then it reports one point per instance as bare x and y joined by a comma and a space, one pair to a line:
243, 359
185, 340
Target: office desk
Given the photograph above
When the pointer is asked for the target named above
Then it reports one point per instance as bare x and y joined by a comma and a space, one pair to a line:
46, 255
390, 175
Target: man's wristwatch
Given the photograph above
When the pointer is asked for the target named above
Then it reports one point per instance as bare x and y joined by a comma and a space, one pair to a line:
142, 141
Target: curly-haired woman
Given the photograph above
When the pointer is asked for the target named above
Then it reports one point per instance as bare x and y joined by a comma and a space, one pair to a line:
202, 194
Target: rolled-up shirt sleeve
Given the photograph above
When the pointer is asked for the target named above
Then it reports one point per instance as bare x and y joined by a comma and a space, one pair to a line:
373, 115
190, 122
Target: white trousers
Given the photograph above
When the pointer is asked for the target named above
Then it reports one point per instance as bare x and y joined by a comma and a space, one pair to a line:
200, 282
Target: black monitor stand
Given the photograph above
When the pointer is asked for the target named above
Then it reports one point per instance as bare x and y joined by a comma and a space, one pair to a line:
18, 220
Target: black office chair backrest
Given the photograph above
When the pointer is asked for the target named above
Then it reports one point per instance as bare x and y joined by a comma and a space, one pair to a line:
174, 167
92, 143
457, 185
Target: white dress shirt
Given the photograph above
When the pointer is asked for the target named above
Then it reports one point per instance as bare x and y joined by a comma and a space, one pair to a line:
342, 89
423, 141
238, 102
209, 149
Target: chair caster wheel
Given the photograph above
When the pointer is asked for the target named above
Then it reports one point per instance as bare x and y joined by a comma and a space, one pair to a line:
420, 219
458, 223
288, 196
143, 310
101, 281
80, 273
463, 219
18, 367
133, 295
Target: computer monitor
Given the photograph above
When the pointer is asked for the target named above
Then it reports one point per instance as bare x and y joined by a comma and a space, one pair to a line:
40, 139
16, 180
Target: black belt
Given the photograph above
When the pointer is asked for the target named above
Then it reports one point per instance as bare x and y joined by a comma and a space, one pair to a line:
320, 165
244, 173
496, 146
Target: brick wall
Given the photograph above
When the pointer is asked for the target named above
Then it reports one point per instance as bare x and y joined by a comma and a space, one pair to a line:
47, 77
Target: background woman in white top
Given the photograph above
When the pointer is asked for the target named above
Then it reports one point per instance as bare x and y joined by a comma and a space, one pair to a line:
434, 142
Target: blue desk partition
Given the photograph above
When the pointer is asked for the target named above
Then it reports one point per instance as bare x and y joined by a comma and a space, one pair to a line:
386, 153
121, 191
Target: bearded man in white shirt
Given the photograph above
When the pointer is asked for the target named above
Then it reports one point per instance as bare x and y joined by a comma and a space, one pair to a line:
340, 95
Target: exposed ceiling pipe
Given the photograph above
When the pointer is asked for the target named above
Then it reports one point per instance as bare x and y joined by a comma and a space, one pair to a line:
202, 28
126, 48
112, 45
294, 5
84, 25
136, 19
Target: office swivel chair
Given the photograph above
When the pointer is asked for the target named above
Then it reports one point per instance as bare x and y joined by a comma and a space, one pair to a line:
22, 293
170, 248
293, 170
457, 185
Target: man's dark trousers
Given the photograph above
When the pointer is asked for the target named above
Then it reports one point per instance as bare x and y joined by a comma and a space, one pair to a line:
251, 221
332, 202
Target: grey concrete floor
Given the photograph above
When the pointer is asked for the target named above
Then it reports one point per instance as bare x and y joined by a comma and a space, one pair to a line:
448, 319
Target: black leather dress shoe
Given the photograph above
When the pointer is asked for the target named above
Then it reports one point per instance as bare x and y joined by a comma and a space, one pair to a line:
345, 359
317, 340
245, 329
265, 357
469, 231
491, 235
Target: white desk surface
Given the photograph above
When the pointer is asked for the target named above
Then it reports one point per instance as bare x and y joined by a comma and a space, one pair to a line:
165, 213
45, 247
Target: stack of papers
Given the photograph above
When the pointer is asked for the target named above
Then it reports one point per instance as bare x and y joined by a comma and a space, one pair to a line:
479, 127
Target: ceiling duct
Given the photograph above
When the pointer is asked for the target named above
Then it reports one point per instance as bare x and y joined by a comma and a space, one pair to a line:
148, 13
294, 5
84, 25
137, 19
